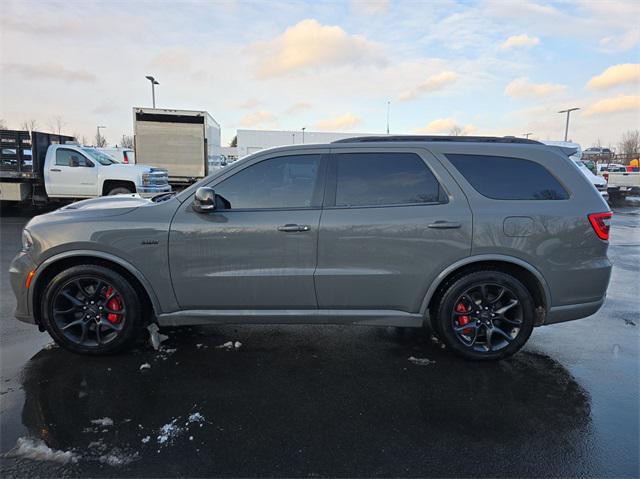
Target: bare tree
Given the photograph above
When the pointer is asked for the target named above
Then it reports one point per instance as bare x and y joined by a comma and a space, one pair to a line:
29, 125
3, 125
234, 141
127, 141
629, 145
56, 124
456, 131
101, 141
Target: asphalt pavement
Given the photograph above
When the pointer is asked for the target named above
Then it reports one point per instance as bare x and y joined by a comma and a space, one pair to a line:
328, 401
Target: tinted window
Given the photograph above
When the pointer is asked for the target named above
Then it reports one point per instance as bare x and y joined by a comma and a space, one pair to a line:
503, 178
284, 182
63, 157
365, 179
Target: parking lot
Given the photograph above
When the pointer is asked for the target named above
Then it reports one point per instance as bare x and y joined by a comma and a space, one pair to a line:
329, 400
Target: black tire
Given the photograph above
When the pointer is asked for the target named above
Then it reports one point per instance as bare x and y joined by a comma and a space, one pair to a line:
119, 190
75, 294
496, 326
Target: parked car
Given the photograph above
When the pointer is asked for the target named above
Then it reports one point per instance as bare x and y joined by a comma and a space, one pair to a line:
609, 167
42, 167
622, 183
122, 155
598, 153
480, 238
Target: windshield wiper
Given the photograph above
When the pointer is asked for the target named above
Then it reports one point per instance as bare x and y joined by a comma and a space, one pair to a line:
162, 196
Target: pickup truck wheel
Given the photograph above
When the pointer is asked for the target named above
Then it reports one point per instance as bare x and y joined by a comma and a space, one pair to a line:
91, 309
485, 315
120, 190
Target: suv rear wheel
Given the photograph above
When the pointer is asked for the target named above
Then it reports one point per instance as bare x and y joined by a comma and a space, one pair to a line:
485, 315
91, 309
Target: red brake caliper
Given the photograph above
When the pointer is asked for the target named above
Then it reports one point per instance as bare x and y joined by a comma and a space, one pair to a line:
115, 305
462, 320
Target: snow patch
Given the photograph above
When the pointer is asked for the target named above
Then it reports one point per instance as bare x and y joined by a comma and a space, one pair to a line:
37, 450
155, 337
230, 345
105, 421
421, 361
145, 366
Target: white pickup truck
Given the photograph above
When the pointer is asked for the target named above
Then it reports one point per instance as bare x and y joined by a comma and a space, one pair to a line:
622, 183
43, 167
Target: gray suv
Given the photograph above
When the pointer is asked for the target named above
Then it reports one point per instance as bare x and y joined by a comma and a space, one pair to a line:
479, 238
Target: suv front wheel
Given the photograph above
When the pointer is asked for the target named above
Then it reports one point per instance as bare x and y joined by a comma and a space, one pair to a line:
485, 315
91, 309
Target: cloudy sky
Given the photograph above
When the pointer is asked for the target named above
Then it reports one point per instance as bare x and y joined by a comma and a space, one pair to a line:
488, 67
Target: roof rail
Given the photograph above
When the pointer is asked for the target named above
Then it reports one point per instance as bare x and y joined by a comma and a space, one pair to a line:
461, 139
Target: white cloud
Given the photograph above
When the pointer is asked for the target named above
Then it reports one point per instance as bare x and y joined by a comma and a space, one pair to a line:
523, 88
311, 45
620, 103
369, 7
347, 121
433, 83
445, 126
616, 75
258, 118
297, 107
517, 41
49, 70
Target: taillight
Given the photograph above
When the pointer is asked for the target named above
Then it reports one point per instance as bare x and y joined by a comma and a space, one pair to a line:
606, 176
601, 223
126, 158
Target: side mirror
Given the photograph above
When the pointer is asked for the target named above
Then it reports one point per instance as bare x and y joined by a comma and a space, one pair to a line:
204, 200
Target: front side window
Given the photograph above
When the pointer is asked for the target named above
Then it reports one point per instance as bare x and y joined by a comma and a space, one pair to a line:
503, 178
65, 158
374, 179
283, 182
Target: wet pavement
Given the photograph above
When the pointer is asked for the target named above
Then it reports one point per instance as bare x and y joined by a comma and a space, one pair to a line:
329, 400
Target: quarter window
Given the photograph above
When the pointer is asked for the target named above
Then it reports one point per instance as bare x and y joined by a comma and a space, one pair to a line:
283, 182
370, 179
504, 178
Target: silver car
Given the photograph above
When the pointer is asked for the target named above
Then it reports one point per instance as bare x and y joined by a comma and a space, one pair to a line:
478, 238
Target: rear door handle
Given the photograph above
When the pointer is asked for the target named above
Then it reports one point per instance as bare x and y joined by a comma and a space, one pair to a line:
291, 228
55, 169
444, 225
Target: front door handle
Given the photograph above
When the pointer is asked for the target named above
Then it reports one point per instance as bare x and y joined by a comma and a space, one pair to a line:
291, 228
55, 169
444, 225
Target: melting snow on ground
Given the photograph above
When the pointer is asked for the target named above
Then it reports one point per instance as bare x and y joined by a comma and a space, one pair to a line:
172, 430
37, 450
230, 345
105, 421
145, 366
421, 361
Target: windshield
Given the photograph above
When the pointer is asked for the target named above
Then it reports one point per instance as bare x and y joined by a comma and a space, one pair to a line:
100, 157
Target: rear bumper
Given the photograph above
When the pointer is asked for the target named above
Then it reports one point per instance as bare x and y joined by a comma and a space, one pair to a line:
560, 314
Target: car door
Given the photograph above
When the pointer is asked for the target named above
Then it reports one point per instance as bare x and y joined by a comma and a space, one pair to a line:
71, 175
392, 221
258, 248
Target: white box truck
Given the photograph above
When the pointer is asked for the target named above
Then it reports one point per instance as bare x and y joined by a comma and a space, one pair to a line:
179, 141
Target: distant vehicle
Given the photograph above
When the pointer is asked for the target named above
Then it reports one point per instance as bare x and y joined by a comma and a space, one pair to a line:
610, 167
482, 238
622, 183
176, 140
597, 181
121, 155
216, 162
596, 152
41, 167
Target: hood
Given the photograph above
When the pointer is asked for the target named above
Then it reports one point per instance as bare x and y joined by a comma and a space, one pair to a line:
129, 169
109, 202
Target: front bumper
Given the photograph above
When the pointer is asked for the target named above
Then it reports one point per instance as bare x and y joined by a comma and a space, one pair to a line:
149, 191
20, 267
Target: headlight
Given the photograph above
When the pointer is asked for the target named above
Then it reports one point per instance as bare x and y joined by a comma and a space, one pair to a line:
27, 240
146, 179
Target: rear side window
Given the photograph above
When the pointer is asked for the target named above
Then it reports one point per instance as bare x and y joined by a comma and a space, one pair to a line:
504, 178
370, 179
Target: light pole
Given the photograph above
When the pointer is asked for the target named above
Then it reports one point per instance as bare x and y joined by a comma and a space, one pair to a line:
388, 108
566, 128
98, 138
153, 88
303, 128
526, 135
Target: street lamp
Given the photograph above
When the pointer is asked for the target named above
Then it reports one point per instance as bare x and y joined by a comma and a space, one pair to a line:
98, 137
388, 107
153, 88
303, 128
526, 135
566, 128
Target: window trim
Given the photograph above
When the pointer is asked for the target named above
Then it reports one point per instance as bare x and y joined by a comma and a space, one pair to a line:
317, 197
331, 187
551, 173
